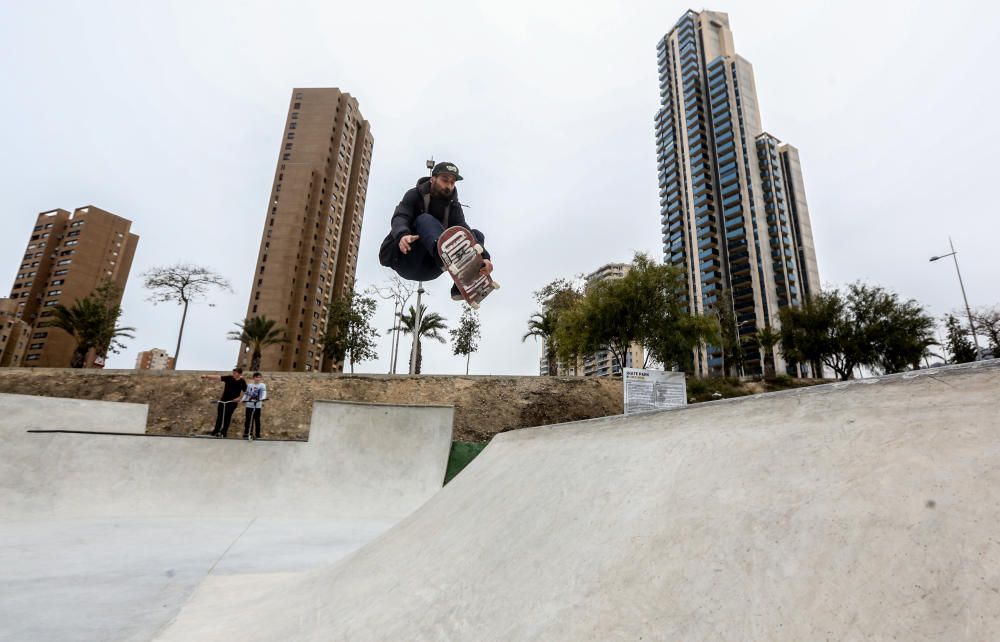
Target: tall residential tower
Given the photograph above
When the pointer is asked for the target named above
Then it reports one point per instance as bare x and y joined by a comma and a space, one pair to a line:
68, 255
309, 249
732, 203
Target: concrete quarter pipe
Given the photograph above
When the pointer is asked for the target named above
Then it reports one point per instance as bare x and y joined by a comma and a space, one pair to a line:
868, 510
105, 536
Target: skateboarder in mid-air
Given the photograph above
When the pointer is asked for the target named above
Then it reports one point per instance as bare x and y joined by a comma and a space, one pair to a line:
426, 211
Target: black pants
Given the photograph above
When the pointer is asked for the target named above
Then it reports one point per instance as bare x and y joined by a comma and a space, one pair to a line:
421, 264
253, 415
223, 415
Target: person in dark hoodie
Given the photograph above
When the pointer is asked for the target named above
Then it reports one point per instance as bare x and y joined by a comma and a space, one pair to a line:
421, 216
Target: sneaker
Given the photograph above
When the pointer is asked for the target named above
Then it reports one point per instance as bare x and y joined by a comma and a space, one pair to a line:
455, 294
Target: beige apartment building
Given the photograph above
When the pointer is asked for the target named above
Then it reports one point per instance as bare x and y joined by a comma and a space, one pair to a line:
309, 248
67, 256
15, 334
733, 210
155, 359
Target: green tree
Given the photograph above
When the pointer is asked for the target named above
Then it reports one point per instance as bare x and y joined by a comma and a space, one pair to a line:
904, 334
987, 322
350, 336
867, 326
93, 323
256, 333
554, 299
958, 342
809, 331
465, 338
431, 325
647, 305
185, 284
766, 339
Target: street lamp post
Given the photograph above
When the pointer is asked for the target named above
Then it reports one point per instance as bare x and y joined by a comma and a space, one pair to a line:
954, 255
417, 314
417, 318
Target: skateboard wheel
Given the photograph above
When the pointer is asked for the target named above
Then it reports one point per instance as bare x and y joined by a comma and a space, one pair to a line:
474, 306
478, 248
496, 286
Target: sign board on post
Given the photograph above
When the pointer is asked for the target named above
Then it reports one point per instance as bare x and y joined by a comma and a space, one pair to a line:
653, 390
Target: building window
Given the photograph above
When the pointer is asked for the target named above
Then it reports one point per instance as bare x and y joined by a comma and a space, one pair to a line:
35, 346
65, 262
66, 252
49, 304
54, 293
39, 335
33, 357
60, 273
288, 146
73, 242
283, 157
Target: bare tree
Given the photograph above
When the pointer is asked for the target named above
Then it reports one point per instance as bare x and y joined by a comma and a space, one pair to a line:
399, 291
183, 283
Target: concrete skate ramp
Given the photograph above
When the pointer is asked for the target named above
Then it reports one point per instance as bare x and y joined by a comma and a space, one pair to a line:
106, 536
361, 460
866, 510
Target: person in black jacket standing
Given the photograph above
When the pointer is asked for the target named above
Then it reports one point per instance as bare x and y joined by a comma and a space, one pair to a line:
421, 216
234, 386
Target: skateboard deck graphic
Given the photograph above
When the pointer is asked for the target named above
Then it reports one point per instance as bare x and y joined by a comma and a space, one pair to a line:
462, 258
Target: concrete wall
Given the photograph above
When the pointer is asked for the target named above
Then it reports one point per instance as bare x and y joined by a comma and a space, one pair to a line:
179, 400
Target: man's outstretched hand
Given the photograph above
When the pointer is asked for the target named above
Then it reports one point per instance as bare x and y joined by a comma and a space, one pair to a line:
404, 242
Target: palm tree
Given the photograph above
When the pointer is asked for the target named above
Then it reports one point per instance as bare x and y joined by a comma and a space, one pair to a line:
92, 324
767, 338
257, 333
430, 327
543, 326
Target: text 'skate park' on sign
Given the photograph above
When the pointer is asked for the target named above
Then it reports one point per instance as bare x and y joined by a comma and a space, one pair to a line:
647, 390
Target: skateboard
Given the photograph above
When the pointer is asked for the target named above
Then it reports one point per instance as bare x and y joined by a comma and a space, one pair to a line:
462, 258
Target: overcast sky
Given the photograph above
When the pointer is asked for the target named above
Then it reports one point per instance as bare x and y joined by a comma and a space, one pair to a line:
171, 114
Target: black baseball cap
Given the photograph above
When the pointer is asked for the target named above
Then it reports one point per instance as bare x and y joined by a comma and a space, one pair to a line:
446, 168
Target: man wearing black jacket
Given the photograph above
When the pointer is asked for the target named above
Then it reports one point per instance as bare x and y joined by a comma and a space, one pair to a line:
424, 213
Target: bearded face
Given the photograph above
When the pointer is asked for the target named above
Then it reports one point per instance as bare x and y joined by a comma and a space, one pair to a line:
442, 185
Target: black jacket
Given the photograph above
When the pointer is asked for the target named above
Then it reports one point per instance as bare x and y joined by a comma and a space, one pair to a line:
412, 206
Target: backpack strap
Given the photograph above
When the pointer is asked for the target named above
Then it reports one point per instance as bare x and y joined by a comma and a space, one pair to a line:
427, 206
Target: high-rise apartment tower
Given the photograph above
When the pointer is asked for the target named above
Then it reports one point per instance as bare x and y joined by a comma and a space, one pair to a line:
309, 249
732, 203
68, 256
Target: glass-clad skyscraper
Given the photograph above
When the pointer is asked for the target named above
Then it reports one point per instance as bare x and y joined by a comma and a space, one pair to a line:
733, 209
